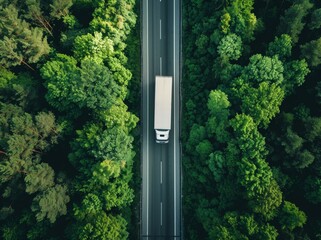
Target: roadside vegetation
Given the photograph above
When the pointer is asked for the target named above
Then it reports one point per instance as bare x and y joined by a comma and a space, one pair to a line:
251, 119
66, 133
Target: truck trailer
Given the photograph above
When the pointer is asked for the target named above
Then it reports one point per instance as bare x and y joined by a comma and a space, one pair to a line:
163, 108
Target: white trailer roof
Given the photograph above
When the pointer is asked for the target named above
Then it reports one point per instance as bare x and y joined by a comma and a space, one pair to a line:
163, 102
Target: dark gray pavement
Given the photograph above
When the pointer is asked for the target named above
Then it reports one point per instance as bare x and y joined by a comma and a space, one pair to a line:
161, 191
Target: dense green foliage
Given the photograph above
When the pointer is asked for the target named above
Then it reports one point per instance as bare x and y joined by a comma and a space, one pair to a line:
252, 158
66, 144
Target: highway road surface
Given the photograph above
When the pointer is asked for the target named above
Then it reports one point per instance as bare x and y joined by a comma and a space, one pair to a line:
161, 191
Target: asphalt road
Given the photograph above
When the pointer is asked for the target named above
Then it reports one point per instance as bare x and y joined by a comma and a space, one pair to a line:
161, 191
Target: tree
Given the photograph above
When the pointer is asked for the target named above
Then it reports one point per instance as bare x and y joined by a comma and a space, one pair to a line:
39, 177
253, 150
253, 172
290, 217
311, 51
24, 138
202, 43
242, 226
244, 129
196, 135
218, 106
24, 134
6, 77
21, 43
94, 223
93, 47
115, 20
262, 68
11, 232
121, 74
51, 203
243, 21
281, 46
303, 159
230, 47
315, 19
22, 90
262, 104
35, 14
90, 86
225, 71
294, 75
225, 23
102, 227
204, 149
216, 164
118, 194
108, 181
292, 142
94, 144
98, 89
90, 206
291, 22
267, 232
60, 76
312, 128
119, 116
312, 189
233, 226
8, 52
60, 8
268, 201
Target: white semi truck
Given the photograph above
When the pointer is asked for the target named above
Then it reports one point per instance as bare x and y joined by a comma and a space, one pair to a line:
163, 108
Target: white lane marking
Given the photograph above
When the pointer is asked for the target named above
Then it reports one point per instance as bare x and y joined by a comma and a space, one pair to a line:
174, 131
160, 28
160, 66
161, 172
161, 213
147, 158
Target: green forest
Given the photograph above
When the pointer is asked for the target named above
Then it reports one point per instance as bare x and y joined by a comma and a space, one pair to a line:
251, 119
70, 80
68, 160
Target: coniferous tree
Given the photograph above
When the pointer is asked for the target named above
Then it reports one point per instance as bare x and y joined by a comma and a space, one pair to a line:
20, 43
311, 51
293, 22
60, 8
315, 19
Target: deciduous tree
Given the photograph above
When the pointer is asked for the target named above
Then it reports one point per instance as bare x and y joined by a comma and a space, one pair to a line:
102, 227
295, 73
262, 103
243, 21
218, 106
93, 47
263, 68
281, 46
291, 217
92, 85
230, 47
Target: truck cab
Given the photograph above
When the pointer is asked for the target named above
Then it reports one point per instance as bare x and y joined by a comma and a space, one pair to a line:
162, 136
